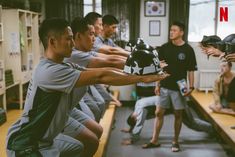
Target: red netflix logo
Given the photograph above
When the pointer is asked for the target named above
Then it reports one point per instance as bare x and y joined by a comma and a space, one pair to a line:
223, 14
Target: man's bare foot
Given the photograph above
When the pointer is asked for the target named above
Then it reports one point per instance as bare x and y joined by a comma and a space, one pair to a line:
214, 108
127, 142
125, 130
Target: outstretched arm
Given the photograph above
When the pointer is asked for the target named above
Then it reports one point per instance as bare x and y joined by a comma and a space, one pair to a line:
114, 77
113, 51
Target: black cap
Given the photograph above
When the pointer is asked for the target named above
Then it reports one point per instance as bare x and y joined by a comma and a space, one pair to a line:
208, 40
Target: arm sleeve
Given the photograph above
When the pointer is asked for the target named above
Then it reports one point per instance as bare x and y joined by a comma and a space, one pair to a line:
58, 78
160, 53
93, 53
192, 63
97, 44
82, 59
112, 43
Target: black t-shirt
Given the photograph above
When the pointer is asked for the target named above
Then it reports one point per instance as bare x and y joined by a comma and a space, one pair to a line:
180, 59
231, 91
145, 89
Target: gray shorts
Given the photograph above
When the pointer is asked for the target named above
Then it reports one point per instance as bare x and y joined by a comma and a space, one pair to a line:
75, 124
79, 115
63, 146
168, 97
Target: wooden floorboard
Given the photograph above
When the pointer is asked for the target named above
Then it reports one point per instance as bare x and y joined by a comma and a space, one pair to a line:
12, 116
221, 122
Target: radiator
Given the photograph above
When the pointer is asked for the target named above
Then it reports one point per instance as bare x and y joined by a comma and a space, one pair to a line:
207, 79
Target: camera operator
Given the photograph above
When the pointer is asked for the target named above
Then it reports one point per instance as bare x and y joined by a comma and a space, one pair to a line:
225, 48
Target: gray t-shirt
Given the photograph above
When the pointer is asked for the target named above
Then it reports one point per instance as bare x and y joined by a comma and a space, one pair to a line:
50, 97
81, 58
99, 42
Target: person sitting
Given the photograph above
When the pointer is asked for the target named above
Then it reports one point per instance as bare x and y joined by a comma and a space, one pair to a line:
222, 53
224, 89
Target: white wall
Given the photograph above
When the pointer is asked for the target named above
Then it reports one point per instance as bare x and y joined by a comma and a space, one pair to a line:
144, 27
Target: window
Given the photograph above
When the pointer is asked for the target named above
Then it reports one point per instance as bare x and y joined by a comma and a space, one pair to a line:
204, 19
98, 7
88, 6
92, 5
201, 19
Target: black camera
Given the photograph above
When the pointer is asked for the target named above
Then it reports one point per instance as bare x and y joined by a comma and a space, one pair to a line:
229, 48
226, 45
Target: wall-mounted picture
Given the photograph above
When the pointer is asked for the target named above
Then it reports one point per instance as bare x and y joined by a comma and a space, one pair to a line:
154, 28
155, 8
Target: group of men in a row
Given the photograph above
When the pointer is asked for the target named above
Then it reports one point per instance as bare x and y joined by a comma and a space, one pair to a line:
65, 99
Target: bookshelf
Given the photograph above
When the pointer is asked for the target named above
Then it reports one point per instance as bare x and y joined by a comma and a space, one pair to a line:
2, 69
21, 50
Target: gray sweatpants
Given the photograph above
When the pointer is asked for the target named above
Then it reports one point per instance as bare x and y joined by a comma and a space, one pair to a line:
195, 123
63, 146
141, 113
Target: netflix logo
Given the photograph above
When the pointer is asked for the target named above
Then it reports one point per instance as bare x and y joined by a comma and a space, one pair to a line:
223, 12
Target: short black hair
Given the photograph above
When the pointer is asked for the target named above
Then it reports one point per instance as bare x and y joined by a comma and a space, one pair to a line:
179, 24
228, 63
79, 25
109, 20
91, 17
52, 26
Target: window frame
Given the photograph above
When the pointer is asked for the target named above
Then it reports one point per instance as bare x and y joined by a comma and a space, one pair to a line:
216, 18
93, 6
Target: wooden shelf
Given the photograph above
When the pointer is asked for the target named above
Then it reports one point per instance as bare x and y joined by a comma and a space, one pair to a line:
13, 85
20, 30
25, 82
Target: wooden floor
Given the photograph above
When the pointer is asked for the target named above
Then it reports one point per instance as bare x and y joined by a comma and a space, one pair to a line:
193, 143
12, 116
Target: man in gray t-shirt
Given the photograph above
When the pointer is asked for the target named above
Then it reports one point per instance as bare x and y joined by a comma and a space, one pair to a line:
91, 59
83, 56
49, 95
105, 28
